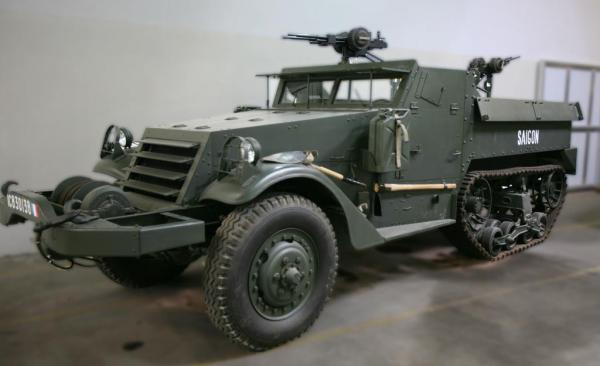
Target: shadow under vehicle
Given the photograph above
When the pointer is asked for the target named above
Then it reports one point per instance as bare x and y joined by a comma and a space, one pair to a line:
353, 154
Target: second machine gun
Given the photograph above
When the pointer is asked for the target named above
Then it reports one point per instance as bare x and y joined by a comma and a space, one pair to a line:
487, 70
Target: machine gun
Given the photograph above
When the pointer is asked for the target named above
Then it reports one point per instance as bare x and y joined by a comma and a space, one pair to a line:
487, 70
355, 43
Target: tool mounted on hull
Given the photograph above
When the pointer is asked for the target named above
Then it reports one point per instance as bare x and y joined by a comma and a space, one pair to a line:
358, 42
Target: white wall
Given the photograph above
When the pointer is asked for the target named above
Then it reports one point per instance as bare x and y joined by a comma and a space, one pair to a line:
70, 67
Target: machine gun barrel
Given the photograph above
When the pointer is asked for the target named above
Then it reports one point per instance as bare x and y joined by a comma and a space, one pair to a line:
496, 65
330, 39
509, 59
355, 43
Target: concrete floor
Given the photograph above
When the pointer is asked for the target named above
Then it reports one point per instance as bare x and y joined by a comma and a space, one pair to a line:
411, 303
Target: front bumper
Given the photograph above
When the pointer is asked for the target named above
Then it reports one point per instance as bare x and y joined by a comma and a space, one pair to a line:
124, 236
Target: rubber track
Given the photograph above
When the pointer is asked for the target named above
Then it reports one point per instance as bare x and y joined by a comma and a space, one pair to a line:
472, 245
222, 249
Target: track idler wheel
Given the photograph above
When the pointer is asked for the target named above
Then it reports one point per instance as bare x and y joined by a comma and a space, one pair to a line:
554, 189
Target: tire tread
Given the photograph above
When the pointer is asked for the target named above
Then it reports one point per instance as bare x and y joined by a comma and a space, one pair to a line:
222, 249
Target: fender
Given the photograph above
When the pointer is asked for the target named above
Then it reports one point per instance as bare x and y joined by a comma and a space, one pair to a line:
569, 160
232, 190
113, 168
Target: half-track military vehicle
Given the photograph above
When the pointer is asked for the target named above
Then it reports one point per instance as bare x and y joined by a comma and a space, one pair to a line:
355, 154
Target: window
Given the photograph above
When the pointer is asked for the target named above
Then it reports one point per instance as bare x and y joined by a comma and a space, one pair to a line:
360, 91
561, 82
348, 92
300, 92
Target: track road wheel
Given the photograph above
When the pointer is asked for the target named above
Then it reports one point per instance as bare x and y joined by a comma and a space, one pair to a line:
270, 268
140, 272
541, 221
507, 227
492, 223
488, 236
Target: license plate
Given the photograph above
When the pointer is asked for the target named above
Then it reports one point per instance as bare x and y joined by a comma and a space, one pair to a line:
22, 205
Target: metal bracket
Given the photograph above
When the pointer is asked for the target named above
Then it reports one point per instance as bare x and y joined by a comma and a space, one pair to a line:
454, 108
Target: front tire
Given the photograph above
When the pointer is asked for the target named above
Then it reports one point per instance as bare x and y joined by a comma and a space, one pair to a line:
270, 268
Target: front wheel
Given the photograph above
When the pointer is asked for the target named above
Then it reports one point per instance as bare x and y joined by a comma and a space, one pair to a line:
270, 268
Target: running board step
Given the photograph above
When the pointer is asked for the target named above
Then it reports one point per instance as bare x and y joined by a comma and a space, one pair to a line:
391, 233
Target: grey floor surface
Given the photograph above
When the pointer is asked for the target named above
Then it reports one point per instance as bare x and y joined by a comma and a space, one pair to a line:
414, 302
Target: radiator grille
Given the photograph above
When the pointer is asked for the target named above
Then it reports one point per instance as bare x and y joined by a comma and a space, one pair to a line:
161, 167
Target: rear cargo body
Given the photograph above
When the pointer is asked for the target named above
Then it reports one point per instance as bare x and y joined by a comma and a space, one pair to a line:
503, 127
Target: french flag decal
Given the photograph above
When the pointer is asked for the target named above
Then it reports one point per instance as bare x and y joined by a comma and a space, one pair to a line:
34, 210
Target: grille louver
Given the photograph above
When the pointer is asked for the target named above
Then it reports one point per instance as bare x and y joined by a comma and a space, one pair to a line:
161, 167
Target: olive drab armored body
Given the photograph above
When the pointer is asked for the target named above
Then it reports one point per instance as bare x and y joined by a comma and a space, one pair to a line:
355, 154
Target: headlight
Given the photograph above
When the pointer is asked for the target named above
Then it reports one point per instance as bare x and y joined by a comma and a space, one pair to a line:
247, 153
116, 141
249, 150
240, 149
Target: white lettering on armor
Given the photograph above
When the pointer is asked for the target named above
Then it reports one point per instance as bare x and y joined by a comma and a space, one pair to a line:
528, 137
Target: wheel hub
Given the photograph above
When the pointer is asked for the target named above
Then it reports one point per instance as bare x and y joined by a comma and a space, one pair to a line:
292, 277
282, 273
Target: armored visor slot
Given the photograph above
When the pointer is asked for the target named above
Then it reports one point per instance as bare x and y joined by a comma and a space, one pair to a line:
160, 168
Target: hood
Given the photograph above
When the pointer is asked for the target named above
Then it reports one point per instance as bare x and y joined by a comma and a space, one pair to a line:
193, 148
255, 118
